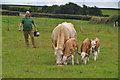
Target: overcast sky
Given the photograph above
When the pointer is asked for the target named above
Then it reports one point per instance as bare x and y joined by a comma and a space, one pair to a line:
98, 3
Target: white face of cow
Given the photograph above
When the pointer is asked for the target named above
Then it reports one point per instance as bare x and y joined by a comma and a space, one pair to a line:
58, 54
83, 54
93, 44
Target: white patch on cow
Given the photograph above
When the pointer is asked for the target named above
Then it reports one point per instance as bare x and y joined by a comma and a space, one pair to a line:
83, 55
68, 26
91, 48
95, 55
84, 59
93, 43
65, 60
58, 54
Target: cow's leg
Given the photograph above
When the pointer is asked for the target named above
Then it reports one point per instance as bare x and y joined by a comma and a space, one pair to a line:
88, 56
88, 59
72, 57
77, 61
84, 61
95, 55
99, 50
65, 60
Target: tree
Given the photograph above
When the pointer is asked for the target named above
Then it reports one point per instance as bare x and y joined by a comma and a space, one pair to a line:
70, 8
85, 10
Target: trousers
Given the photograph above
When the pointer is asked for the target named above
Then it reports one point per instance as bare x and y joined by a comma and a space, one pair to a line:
26, 35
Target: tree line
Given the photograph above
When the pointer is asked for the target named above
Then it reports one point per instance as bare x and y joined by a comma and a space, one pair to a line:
72, 8
69, 8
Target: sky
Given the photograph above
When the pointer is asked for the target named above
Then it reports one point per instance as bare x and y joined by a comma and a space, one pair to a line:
98, 3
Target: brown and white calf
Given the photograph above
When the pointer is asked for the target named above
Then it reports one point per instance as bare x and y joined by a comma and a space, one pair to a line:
85, 50
70, 47
95, 43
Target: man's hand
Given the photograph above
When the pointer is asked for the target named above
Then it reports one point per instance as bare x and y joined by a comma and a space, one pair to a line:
36, 30
19, 28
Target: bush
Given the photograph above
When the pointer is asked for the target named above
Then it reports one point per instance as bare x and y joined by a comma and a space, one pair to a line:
114, 18
11, 13
95, 19
105, 20
61, 16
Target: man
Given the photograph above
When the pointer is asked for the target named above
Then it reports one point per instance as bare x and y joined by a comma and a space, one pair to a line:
27, 22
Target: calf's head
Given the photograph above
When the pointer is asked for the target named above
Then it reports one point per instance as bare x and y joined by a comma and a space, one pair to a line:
84, 57
93, 44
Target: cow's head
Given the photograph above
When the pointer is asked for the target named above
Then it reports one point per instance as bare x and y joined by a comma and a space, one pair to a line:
64, 61
84, 57
93, 44
58, 54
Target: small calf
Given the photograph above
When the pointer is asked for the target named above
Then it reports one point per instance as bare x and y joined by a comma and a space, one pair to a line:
95, 47
85, 50
70, 47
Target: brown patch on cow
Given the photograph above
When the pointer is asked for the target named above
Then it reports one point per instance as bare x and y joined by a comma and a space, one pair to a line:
86, 45
97, 44
70, 46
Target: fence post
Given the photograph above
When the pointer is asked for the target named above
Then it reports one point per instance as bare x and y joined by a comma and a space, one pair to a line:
8, 26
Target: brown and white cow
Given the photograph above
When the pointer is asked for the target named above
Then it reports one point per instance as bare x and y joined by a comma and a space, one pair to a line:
70, 47
85, 50
60, 35
95, 47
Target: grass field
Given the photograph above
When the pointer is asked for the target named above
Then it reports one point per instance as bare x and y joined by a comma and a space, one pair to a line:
109, 12
0, 47
22, 62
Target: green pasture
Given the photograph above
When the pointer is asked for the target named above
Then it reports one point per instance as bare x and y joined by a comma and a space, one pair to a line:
109, 12
22, 62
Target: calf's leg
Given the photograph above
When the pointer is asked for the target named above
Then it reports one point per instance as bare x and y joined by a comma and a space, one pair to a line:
77, 61
72, 56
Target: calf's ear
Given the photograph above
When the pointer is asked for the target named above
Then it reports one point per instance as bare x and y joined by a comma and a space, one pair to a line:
86, 54
79, 53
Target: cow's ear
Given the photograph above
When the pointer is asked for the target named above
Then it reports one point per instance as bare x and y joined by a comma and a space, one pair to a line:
86, 54
53, 46
91, 41
96, 42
